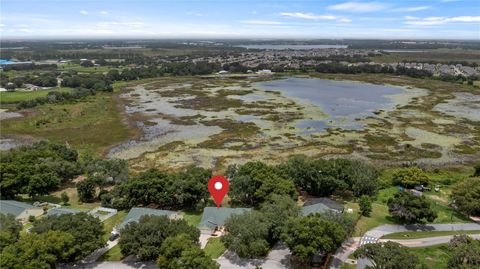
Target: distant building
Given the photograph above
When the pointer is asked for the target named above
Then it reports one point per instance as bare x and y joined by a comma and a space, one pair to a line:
137, 212
21, 211
56, 211
214, 217
222, 72
265, 72
321, 205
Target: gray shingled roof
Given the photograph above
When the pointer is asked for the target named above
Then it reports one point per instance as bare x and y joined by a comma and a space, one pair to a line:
14, 207
213, 216
61, 211
325, 201
137, 212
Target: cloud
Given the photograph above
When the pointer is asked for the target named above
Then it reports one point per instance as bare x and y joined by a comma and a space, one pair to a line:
194, 13
308, 16
410, 9
262, 22
83, 12
344, 20
439, 20
358, 6
104, 12
112, 24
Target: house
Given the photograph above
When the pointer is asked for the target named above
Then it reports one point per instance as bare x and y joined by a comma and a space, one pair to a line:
21, 211
321, 205
214, 218
56, 211
222, 72
137, 212
265, 72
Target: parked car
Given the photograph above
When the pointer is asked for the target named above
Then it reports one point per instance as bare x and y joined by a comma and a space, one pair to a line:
113, 236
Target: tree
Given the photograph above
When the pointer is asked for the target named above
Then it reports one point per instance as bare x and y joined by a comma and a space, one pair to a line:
86, 230
408, 208
476, 173
145, 237
307, 236
365, 204
466, 195
65, 198
277, 210
465, 252
409, 177
86, 190
388, 255
247, 234
179, 252
253, 182
9, 230
38, 251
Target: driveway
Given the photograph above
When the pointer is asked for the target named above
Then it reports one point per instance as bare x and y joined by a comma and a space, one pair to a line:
99, 252
278, 258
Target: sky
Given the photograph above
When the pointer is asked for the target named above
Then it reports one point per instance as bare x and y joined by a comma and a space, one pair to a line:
412, 19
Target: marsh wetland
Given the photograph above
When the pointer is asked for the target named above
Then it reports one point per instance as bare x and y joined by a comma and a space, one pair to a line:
215, 121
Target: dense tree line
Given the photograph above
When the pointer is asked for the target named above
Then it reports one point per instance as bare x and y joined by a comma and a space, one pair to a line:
167, 190
322, 177
36, 169
54, 97
29, 66
466, 196
40, 168
9, 230
408, 208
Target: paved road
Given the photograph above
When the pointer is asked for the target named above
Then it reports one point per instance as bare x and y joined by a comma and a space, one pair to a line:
278, 258
426, 242
373, 235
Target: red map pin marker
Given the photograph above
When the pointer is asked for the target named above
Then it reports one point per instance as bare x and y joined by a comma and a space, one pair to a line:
218, 187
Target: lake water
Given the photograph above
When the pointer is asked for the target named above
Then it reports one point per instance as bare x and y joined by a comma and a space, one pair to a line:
343, 101
293, 47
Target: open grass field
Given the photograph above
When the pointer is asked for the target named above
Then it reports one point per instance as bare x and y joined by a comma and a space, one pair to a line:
215, 248
424, 234
90, 126
18, 96
80, 69
435, 257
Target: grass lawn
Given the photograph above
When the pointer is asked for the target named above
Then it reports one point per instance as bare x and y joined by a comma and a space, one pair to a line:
435, 257
215, 248
81, 69
193, 218
18, 96
424, 234
89, 126
110, 223
114, 254
73, 202
380, 215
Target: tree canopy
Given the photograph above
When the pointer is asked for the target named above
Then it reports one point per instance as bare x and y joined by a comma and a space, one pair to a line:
253, 182
408, 208
247, 234
145, 237
36, 169
86, 230
180, 252
39, 251
168, 190
409, 177
9, 230
465, 252
323, 177
388, 255
312, 234
466, 195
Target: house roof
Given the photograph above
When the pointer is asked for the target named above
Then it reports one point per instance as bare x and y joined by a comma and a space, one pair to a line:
316, 208
137, 212
326, 202
61, 211
213, 216
14, 207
